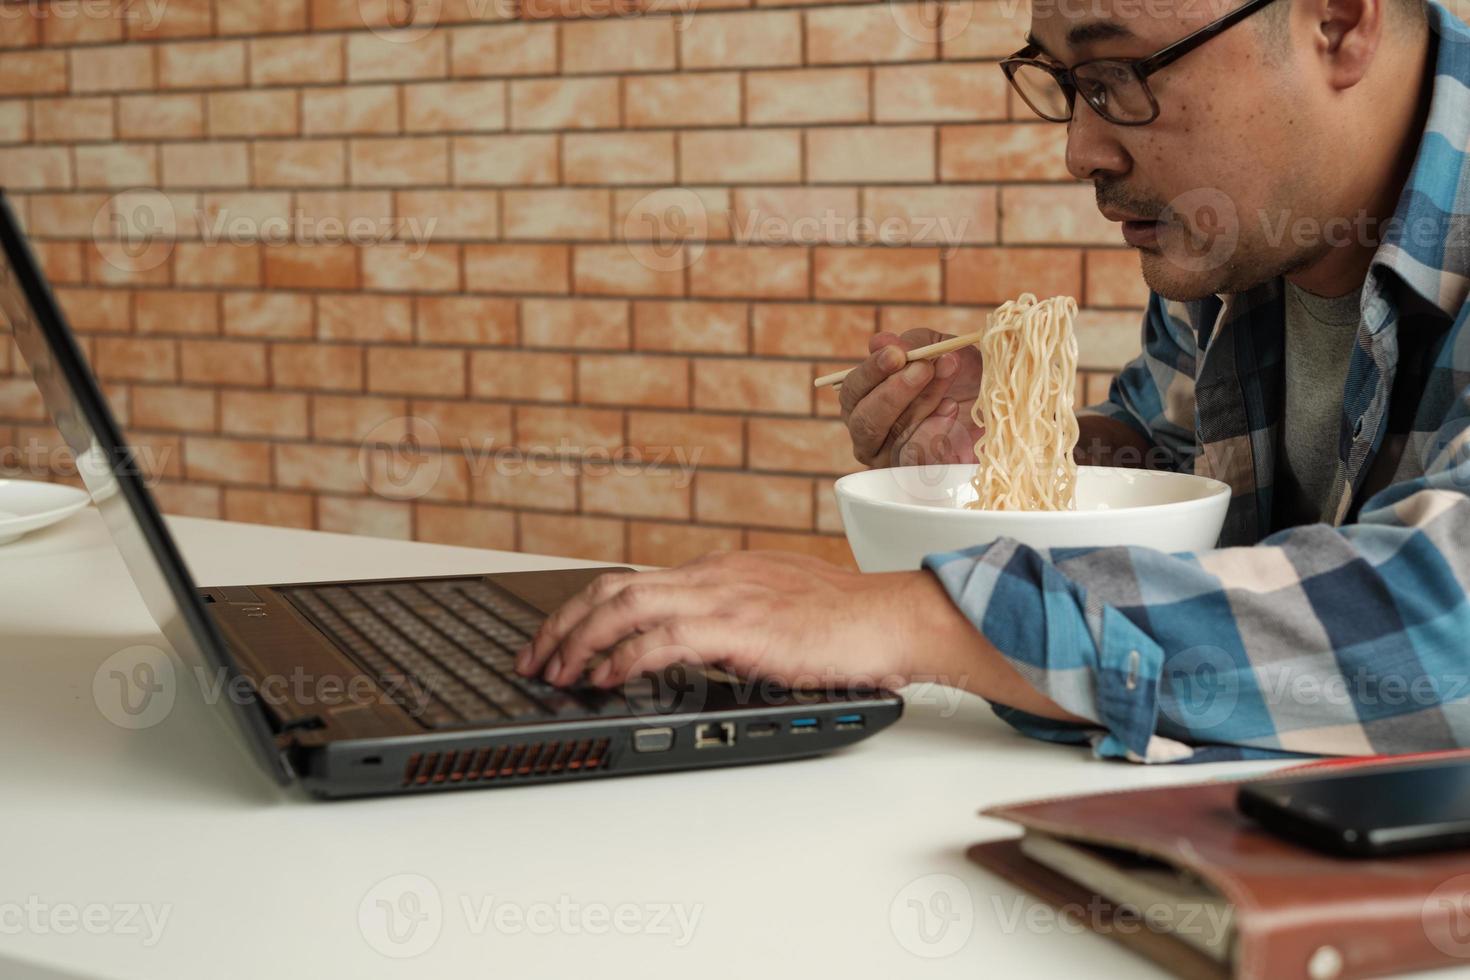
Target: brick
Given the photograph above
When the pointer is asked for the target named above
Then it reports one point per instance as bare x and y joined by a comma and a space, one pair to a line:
881, 32
700, 99
59, 32
416, 372
97, 310
418, 268
454, 107
449, 214
472, 428
20, 399
1005, 151
261, 17
117, 165
741, 40
172, 312
753, 271
809, 95
564, 103
633, 379
469, 527
227, 460
399, 162
801, 446
271, 112
353, 418
812, 330
14, 121
664, 218
724, 156
797, 215
276, 414
412, 54
571, 536
1107, 339
1113, 278
373, 209
687, 439
938, 93
472, 320
274, 314
563, 213
542, 484
190, 500
197, 264
931, 215
616, 270
36, 167
166, 407
61, 262
201, 64
205, 165
274, 507
666, 545
311, 267
70, 120
1055, 214
690, 327
160, 116
335, 469
753, 498
177, 18
233, 362
521, 375
114, 267
618, 44
870, 154
296, 60
618, 158
498, 160
752, 385
120, 68
71, 215
829, 548
992, 276
136, 359
365, 515
608, 489
907, 275
368, 318
299, 163
320, 367
516, 268
503, 49
582, 323
552, 429
983, 28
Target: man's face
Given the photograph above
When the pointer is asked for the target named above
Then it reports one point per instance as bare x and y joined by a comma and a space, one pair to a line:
1202, 189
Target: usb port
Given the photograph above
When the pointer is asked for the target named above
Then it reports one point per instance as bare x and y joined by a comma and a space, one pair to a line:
847, 723
760, 729
805, 726
714, 733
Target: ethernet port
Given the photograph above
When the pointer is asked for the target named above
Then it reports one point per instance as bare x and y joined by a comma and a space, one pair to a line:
713, 734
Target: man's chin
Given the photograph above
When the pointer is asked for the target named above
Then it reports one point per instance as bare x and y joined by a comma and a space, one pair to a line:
1178, 284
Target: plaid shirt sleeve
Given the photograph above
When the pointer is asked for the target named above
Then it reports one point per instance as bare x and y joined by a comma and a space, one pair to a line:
1318, 640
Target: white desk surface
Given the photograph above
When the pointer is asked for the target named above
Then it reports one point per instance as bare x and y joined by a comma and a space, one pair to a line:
809, 869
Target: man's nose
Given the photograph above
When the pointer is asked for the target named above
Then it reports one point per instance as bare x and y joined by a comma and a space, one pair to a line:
1093, 150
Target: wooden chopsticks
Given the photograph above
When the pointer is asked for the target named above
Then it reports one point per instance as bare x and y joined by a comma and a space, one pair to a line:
917, 354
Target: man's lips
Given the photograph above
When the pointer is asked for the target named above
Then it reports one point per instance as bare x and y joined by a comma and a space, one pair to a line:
1138, 232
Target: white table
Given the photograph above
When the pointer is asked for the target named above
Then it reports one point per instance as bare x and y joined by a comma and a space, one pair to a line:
807, 869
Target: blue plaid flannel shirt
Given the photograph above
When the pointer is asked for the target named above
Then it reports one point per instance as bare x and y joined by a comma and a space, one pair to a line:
1347, 638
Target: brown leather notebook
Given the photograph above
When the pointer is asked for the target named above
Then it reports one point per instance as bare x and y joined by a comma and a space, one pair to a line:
1177, 874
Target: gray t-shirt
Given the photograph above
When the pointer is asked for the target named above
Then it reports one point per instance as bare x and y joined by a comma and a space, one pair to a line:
1320, 331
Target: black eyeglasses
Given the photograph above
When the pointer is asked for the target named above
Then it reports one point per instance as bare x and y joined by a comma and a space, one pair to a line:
1116, 88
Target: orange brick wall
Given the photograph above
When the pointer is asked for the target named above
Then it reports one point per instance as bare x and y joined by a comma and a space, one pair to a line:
594, 231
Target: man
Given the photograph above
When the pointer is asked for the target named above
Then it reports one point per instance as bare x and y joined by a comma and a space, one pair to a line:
1297, 190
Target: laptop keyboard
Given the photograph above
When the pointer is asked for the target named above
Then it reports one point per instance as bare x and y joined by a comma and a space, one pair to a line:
444, 649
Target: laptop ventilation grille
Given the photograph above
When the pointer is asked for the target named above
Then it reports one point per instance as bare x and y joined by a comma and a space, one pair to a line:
522, 760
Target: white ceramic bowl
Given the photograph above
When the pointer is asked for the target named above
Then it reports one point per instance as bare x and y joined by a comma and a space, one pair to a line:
28, 505
896, 516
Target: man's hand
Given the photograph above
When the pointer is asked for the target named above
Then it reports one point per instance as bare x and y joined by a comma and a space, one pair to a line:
900, 415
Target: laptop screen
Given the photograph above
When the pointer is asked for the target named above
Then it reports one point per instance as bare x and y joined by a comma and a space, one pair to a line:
114, 476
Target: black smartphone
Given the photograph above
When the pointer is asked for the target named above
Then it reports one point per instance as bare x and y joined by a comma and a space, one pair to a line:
1371, 812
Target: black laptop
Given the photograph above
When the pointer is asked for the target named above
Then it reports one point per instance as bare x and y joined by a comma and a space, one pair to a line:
429, 699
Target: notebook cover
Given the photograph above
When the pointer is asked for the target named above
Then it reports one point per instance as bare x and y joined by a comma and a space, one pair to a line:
1298, 912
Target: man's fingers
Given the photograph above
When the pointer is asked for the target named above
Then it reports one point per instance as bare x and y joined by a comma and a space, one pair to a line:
919, 409
703, 641
574, 610
637, 608
871, 422
876, 368
938, 439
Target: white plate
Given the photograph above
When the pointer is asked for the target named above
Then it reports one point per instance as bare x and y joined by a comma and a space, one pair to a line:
28, 505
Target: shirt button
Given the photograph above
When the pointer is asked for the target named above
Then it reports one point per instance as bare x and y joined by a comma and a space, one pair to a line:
1358, 429
1134, 657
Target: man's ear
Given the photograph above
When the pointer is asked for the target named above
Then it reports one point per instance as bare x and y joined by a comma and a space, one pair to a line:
1347, 36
